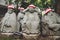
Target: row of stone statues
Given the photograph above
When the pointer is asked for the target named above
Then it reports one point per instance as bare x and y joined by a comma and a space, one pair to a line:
11, 22
28, 21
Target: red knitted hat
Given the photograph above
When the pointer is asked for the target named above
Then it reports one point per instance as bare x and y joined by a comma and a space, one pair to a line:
31, 6
48, 10
10, 6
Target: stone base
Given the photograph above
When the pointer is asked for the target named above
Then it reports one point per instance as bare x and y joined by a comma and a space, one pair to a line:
31, 36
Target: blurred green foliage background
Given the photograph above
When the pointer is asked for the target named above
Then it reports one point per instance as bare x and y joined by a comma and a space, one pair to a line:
39, 3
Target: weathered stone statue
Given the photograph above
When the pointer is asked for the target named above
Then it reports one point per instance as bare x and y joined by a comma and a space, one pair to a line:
9, 21
31, 20
52, 20
20, 17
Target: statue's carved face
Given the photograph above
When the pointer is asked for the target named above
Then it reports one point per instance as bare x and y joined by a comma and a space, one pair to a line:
31, 9
10, 10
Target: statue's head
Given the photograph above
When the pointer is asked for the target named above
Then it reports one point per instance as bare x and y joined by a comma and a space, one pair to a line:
31, 8
10, 8
21, 9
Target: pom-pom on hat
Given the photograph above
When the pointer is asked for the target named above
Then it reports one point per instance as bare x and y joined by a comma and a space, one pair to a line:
31, 6
10, 6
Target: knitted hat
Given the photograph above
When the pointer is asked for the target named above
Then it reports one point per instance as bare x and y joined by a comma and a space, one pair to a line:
31, 6
48, 10
10, 6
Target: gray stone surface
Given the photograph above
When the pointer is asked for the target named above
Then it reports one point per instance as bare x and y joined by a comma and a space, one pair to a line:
2, 2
